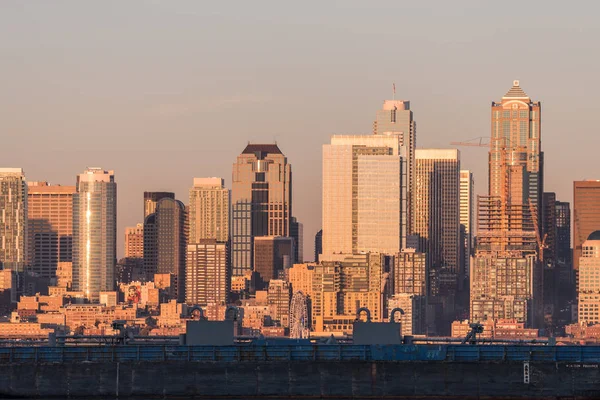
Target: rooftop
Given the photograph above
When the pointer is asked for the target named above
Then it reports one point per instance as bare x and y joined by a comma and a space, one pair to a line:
262, 148
516, 92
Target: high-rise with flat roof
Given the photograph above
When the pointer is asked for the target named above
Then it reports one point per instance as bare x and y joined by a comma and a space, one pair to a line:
261, 201
94, 233
506, 274
208, 266
364, 195
437, 207
209, 210
318, 244
297, 232
396, 119
165, 241
134, 241
13, 230
50, 227
207, 272
467, 218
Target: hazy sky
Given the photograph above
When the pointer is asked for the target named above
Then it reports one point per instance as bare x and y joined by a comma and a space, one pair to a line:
164, 91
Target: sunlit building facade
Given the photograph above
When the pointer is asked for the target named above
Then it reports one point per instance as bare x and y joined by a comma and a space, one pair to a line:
94, 233
13, 230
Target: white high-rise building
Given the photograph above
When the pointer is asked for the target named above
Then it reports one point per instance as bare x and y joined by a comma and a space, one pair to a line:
364, 195
94, 232
589, 280
467, 220
13, 217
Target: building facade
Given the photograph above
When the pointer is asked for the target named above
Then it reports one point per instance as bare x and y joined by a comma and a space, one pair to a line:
410, 273
134, 241
589, 280
437, 207
94, 233
165, 241
318, 244
209, 210
272, 256
297, 232
50, 227
507, 272
152, 198
364, 195
207, 272
13, 230
261, 201
396, 119
586, 217
467, 220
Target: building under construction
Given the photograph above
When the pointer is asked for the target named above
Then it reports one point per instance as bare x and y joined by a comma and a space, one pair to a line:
506, 272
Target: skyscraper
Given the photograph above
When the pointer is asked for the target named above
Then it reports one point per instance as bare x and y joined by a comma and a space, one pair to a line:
467, 219
152, 198
364, 195
134, 241
209, 210
208, 266
437, 207
13, 230
272, 255
396, 119
261, 201
50, 227
586, 217
94, 232
506, 280
165, 240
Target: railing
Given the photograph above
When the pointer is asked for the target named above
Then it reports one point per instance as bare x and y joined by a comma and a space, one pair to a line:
318, 353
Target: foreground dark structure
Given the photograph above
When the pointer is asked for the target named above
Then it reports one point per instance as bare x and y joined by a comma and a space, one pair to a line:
302, 370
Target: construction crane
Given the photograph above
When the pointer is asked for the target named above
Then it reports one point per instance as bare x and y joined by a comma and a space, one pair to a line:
481, 141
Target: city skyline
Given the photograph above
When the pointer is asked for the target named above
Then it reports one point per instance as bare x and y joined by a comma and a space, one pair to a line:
140, 88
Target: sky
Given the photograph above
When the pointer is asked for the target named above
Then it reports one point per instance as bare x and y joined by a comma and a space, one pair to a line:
165, 91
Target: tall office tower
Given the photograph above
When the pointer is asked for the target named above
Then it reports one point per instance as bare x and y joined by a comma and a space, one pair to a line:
13, 230
207, 272
364, 195
437, 207
261, 201
564, 253
134, 241
50, 227
94, 233
410, 273
297, 232
467, 219
165, 241
586, 217
152, 198
272, 256
318, 244
589, 280
396, 119
209, 210
506, 275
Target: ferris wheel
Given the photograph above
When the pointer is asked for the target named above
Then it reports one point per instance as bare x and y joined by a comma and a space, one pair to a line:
299, 316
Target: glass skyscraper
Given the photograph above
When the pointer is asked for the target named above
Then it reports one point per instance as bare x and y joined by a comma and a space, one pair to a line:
94, 232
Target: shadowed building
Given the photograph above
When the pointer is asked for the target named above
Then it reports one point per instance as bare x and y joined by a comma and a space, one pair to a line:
50, 227
165, 240
261, 201
272, 255
152, 198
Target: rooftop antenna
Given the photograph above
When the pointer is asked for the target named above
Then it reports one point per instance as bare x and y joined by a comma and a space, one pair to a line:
394, 91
